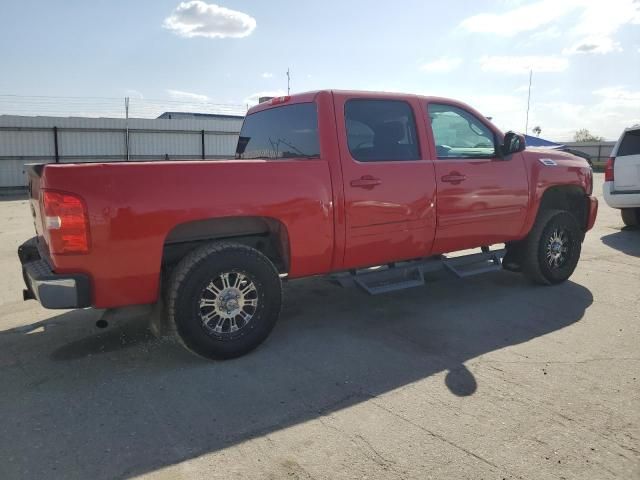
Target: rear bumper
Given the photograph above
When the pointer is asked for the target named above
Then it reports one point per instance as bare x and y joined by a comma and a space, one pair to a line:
593, 212
50, 289
620, 198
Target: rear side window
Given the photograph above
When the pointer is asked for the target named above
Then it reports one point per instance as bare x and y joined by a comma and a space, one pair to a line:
289, 131
381, 130
630, 144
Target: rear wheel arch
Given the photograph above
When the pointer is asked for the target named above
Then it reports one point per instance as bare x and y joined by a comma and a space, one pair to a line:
265, 234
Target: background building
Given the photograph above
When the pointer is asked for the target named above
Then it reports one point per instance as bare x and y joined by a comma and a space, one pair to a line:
173, 136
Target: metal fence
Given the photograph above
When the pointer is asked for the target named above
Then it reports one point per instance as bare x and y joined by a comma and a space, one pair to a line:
599, 151
62, 140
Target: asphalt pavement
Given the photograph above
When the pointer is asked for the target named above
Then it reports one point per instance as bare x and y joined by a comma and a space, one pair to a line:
485, 378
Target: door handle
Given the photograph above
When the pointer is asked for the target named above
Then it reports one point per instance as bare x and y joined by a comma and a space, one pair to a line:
454, 177
366, 181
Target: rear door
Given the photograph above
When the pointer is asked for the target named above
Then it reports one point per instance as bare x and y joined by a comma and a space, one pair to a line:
627, 162
389, 186
482, 197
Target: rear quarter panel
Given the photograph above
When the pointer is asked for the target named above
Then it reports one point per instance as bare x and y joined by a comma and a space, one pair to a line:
133, 206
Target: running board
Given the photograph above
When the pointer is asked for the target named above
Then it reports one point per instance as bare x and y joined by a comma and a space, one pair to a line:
401, 275
469, 265
390, 279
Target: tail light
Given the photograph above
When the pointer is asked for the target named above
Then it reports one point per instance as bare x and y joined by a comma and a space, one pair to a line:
66, 223
608, 170
589, 182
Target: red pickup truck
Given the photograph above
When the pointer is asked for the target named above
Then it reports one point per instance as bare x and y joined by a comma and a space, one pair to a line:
328, 182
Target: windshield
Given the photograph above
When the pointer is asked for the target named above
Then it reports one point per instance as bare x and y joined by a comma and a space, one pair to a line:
289, 131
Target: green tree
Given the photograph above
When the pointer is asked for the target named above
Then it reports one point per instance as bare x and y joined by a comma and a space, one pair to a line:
584, 135
537, 130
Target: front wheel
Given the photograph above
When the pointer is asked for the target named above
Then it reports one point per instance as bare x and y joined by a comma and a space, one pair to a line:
224, 300
552, 249
631, 216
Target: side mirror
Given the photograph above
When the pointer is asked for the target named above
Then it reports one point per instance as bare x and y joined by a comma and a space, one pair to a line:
513, 143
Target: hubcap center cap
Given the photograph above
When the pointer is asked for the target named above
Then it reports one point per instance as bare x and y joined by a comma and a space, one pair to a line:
228, 303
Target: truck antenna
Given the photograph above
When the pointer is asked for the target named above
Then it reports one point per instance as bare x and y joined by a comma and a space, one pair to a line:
288, 82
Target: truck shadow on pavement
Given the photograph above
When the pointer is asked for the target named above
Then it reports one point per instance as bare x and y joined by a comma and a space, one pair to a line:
119, 403
626, 240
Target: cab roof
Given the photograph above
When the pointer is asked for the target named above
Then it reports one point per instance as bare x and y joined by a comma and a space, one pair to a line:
311, 96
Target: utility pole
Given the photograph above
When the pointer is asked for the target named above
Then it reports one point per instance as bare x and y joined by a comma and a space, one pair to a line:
526, 125
288, 82
126, 124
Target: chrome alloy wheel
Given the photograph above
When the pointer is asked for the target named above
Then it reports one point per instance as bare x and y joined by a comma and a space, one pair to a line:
557, 248
228, 303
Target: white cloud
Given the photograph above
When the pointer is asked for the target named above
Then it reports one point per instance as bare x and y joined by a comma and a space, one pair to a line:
521, 19
133, 93
547, 34
441, 65
613, 109
607, 113
523, 64
199, 19
604, 18
523, 88
619, 96
267, 75
253, 98
590, 25
560, 119
593, 44
189, 96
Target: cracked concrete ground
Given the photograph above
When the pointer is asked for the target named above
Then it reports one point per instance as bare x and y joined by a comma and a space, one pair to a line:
487, 378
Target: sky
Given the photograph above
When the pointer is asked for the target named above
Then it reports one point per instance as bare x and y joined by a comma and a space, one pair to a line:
585, 55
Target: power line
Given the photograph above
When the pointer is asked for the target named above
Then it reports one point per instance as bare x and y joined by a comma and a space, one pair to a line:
49, 105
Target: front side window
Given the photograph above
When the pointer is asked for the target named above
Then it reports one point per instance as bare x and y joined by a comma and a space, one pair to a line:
290, 131
381, 130
459, 134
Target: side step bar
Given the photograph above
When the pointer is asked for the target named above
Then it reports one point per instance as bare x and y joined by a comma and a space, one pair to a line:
401, 275
474, 264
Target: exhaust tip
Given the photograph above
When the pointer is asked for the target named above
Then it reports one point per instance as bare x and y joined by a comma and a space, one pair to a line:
102, 323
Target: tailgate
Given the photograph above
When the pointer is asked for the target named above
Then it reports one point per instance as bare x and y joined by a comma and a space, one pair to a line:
627, 163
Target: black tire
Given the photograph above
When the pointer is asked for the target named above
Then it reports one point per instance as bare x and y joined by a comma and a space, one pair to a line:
191, 284
631, 216
539, 247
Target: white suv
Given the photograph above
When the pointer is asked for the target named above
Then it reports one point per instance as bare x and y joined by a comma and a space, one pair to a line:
622, 176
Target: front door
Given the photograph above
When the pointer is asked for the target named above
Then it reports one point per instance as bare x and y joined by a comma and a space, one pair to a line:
388, 183
482, 197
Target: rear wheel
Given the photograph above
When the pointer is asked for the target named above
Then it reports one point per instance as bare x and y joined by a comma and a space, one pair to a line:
631, 216
224, 300
552, 249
